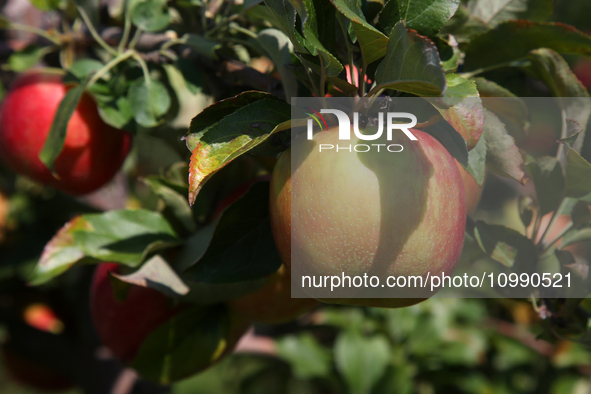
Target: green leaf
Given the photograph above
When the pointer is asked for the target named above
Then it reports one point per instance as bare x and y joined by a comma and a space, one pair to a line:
427, 17
362, 361
156, 274
546, 173
507, 246
373, 43
279, 49
202, 45
174, 200
150, 15
187, 343
125, 236
216, 112
578, 175
477, 162
492, 49
494, 12
285, 15
502, 102
148, 101
307, 357
83, 67
466, 115
46, 5
411, 65
57, 133
218, 143
242, 247
25, 58
573, 237
464, 26
572, 96
502, 156
116, 113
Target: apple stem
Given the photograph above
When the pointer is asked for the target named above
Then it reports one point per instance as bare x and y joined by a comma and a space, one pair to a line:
143, 65
94, 33
126, 27
101, 73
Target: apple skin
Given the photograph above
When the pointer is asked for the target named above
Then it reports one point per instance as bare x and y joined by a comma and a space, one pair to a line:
472, 190
29, 374
93, 151
417, 194
123, 326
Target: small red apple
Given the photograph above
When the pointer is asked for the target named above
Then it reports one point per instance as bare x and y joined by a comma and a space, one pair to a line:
372, 213
123, 326
42, 317
93, 151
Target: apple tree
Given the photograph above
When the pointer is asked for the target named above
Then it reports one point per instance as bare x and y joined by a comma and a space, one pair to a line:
146, 234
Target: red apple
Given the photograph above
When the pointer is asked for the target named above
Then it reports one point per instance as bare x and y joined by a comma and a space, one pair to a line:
93, 151
472, 190
42, 317
4, 209
374, 213
124, 326
582, 70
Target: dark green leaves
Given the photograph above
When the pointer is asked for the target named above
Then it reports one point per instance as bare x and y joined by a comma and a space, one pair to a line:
494, 12
492, 48
229, 129
57, 134
507, 246
425, 16
242, 247
125, 237
150, 15
148, 101
372, 41
578, 175
186, 344
411, 65
546, 173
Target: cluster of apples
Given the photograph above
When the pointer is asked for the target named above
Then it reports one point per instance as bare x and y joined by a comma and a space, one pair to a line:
419, 203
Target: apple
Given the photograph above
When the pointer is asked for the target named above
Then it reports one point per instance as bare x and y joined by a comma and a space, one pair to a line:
272, 303
30, 374
582, 69
42, 317
4, 209
374, 213
93, 151
578, 250
123, 326
472, 190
